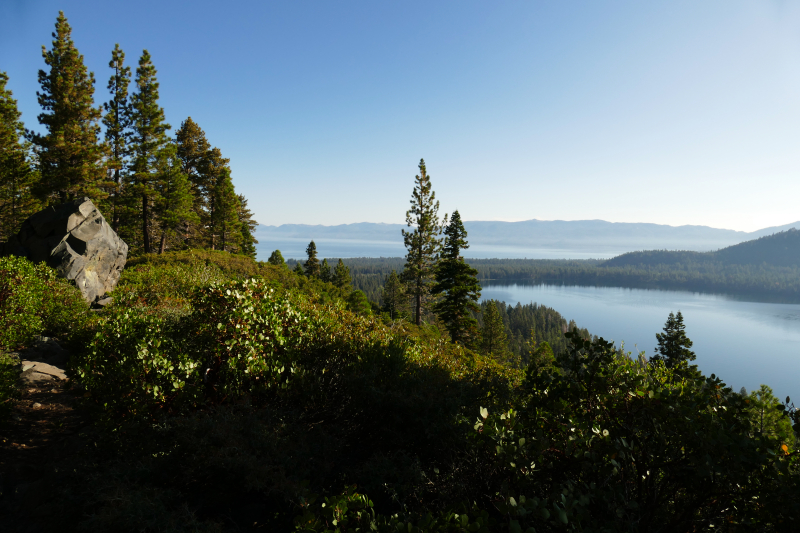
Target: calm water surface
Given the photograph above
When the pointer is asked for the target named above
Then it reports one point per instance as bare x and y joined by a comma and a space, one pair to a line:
744, 343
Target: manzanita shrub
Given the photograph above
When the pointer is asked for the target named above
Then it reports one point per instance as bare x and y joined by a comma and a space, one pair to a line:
34, 300
241, 338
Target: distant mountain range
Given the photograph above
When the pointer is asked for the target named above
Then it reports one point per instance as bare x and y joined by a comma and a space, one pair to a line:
584, 236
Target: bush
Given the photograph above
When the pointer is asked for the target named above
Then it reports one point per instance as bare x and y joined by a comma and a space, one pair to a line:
35, 300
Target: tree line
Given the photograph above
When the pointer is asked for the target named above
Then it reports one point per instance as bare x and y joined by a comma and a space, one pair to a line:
156, 191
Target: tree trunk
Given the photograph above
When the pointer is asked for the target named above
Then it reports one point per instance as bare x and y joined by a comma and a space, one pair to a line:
145, 217
418, 317
163, 242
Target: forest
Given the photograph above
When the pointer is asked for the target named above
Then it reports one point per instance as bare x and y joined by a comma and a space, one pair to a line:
219, 393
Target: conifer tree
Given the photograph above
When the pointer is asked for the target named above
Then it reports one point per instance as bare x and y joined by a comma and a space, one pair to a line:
341, 276
457, 282
312, 263
276, 258
69, 154
494, 341
117, 123
172, 201
225, 219
392, 294
17, 177
298, 269
248, 225
423, 242
673, 344
149, 136
325, 273
201, 163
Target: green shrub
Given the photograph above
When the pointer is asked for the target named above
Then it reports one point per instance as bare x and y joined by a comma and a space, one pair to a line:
35, 300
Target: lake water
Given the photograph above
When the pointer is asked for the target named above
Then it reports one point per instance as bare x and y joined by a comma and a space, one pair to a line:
744, 343
295, 248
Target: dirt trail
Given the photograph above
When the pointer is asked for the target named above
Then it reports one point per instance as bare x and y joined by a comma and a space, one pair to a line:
42, 435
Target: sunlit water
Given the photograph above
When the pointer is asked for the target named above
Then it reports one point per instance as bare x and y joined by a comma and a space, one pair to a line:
295, 248
744, 343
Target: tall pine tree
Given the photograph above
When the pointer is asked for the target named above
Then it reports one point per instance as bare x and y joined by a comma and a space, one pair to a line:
494, 341
248, 226
117, 123
673, 346
149, 136
16, 175
422, 242
392, 295
457, 282
172, 199
312, 263
226, 231
69, 154
341, 276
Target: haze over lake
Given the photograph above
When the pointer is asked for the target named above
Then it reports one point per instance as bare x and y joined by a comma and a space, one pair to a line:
744, 343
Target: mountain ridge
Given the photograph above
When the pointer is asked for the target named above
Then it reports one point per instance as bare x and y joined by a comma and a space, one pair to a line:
593, 235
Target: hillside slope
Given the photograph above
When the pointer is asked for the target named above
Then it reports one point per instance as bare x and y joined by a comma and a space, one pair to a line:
780, 250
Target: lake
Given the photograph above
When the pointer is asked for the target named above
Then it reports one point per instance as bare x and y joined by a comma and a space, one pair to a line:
295, 248
744, 343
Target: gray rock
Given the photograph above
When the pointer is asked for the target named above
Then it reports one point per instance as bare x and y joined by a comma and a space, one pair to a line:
76, 240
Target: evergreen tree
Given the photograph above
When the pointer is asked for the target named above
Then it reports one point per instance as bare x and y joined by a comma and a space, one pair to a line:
312, 264
392, 294
493, 334
248, 225
149, 136
69, 155
458, 283
341, 275
172, 201
423, 242
16, 174
117, 123
225, 219
673, 344
325, 273
276, 258
203, 165
298, 269
358, 303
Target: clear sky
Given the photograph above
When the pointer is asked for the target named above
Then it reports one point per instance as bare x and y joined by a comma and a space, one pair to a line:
672, 112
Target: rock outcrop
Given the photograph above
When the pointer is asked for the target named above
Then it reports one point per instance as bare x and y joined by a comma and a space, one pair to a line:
77, 242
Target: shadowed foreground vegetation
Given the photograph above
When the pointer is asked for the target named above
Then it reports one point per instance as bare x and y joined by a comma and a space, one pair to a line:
231, 395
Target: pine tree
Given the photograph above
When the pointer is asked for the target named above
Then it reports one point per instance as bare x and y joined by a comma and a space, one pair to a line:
673, 344
298, 269
276, 258
392, 295
494, 341
312, 264
325, 273
69, 154
202, 164
248, 226
457, 282
225, 219
423, 242
17, 177
172, 201
341, 276
117, 123
149, 136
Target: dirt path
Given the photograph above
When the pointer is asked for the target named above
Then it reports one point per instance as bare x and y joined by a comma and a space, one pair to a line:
43, 434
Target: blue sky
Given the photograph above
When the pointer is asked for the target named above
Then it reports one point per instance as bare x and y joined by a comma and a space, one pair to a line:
666, 112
